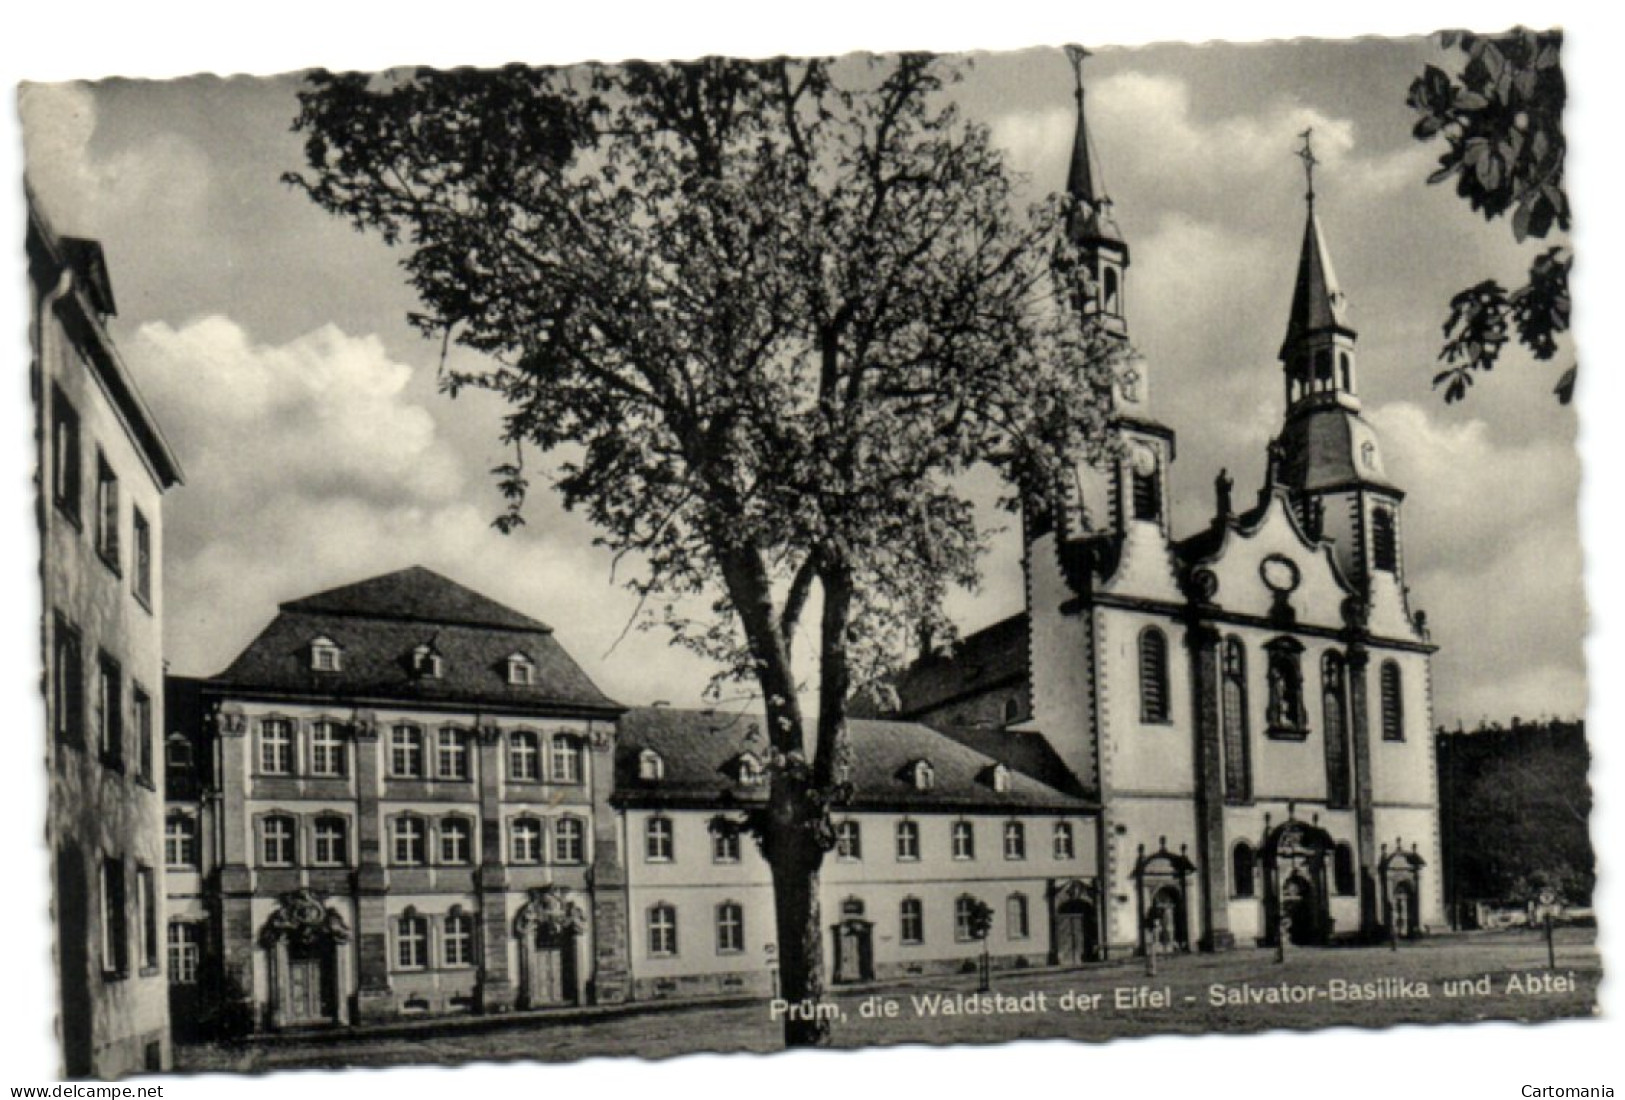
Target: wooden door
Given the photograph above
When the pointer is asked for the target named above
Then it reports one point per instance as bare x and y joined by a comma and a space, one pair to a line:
1074, 933
306, 997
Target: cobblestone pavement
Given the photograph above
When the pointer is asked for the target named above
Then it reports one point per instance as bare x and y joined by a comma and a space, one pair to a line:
1465, 978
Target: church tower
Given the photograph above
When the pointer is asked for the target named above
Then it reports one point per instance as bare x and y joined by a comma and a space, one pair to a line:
1327, 454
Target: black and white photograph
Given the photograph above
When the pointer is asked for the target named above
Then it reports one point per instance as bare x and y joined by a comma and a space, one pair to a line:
543, 558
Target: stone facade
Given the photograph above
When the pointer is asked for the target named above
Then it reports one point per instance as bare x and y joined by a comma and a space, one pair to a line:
103, 468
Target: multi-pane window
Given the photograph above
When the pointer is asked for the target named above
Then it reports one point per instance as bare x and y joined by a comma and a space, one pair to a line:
185, 952
141, 583
964, 840
146, 902
1153, 675
277, 841
964, 918
725, 845
662, 929
115, 922
326, 749
330, 844
110, 711
406, 752
452, 758
523, 756
66, 471
849, 840
455, 844
411, 844
1015, 840
141, 717
730, 928
457, 943
566, 759
276, 746
657, 840
908, 840
106, 511
1393, 703
569, 846
1065, 848
180, 841
526, 840
68, 684
1015, 917
412, 942
912, 926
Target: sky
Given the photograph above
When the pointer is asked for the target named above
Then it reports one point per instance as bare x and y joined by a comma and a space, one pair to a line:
246, 260
271, 341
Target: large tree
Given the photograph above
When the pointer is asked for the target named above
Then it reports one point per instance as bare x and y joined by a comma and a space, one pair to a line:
764, 316
1500, 117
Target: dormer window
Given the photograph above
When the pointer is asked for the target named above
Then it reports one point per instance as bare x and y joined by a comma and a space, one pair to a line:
748, 770
925, 776
998, 778
650, 766
521, 671
426, 663
325, 655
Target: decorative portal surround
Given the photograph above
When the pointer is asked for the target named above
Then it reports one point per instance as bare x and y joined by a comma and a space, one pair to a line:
308, 970
1162, 897
1077, 931
549, 928
1400, 873
1294, 857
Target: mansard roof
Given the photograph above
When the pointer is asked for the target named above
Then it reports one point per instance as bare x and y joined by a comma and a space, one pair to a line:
379, 623
1331, 446
697, 747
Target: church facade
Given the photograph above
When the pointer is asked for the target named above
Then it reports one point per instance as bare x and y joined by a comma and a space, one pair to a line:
1249, 704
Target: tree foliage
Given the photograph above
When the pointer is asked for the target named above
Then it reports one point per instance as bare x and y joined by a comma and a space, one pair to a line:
762, 316
1501, 119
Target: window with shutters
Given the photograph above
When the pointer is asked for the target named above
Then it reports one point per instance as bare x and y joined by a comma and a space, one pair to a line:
1393, 703
1153, 675
1384, 542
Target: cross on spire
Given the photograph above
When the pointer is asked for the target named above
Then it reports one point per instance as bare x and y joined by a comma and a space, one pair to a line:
1076, 54
1307, 155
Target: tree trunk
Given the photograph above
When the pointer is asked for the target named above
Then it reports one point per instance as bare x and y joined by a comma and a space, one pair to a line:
800, 933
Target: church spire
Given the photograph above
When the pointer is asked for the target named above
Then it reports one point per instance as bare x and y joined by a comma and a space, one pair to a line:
1318, 352
1092, 219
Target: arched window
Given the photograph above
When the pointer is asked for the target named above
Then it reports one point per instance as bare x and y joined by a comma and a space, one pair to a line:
965, 918
1334, 696
1243, 865
849, 840
730, 928
1343, 869
852, 907
1323, 369
662, 929
1153, 675
1286, 713
277, 844
1012, 710
1393, 703
1238, 780
565, 759
330, 846
411, 941
658, 842
180, 842
911, 921
1384, 543
1015, 917
525, 840
456, 841
1015, 840
524, 756
457, 942
569, 841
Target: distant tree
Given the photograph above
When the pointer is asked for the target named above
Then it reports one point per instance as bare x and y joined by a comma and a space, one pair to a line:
1501, 119
766, 313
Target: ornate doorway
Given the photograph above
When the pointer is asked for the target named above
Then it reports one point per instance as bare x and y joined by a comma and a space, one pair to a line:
1295, 856
549, 928
1401, 874
854, 944
305, 940
1076, 924
1298, 907
1164, 912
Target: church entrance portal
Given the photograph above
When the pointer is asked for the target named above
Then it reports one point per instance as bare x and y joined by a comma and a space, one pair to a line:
549, 928
309, 970
854, 951
1074, 933
1298, 907
311, 995
1295, 856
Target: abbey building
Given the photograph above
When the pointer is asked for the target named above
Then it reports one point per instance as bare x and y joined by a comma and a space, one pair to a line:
405, 798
